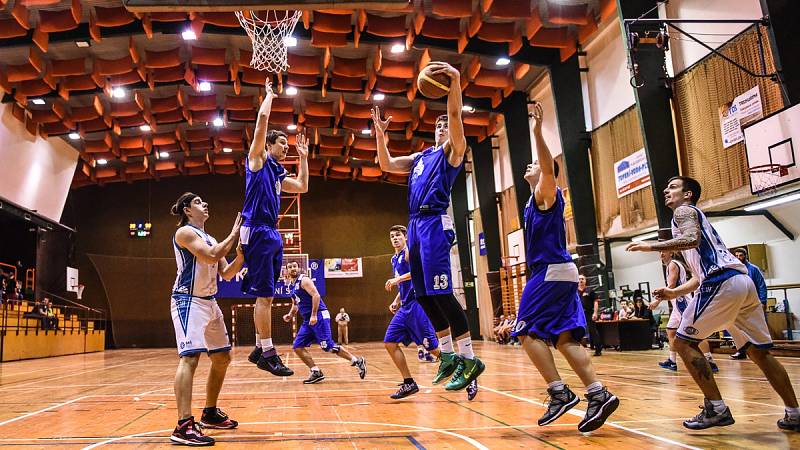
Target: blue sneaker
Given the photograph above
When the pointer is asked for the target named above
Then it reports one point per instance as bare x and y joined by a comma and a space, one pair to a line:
669, 364
713, 365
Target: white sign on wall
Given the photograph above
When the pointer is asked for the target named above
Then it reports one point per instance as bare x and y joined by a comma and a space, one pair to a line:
743, 110
72, 279
632, 173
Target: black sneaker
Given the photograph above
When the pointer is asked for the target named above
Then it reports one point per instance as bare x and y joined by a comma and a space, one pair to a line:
601, 404
472, 390
254, 355
741, 353
714, 367
708, 418
560, 402
274, 365
188, 433
315, 377
216, 419
405, 390
789, 423
669, 364
361, 365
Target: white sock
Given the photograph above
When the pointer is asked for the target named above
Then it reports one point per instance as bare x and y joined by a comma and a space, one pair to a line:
315, 369
465, 348
557, 385
446, 344
353, 360
792, 412
258, 341
266, 344
719, 405
594, 387
673, 356
708, 356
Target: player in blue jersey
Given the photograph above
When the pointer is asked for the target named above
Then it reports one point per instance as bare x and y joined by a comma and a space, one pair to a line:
199, 325
550, 309
316, 326
262, 243
431, 232
726, 298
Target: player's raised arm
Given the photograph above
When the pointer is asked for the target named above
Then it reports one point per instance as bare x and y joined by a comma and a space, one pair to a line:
688, 223
208, 254
388, 163
299, 185
228, 270
455, 126
545, 190
257, 154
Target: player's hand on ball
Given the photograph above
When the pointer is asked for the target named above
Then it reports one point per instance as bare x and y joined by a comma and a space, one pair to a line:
638, 247
270, 94
380, 125
312, 321
664, 294
302, 145
538, 114
438, 67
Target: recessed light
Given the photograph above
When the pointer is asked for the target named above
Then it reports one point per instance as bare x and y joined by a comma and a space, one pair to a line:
290, 41
291, 127
144, 127
503, 61
365, 131
398, 48
378, 97
291, 90
82, 44
37, 101
467, 108
217, 122
74, 136
227, 150
102, 161
163, 155
204, 86
189, 35
118, 92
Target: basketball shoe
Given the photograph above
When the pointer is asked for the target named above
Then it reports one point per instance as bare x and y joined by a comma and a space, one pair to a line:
405, 390
789, 423
447, 365
472, 390
601, 404
466, 372
254, 355
271, 362
361, 365
559, 402
669, 364
708, 418
315, 377
188, 433
214, 418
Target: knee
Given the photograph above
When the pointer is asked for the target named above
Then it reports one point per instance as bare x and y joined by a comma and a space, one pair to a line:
221, 359
682, 345
264, 301
298, 351
190, 361
757, 355
390, 346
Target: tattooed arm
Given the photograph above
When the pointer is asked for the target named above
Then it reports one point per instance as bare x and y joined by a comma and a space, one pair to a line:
688, 224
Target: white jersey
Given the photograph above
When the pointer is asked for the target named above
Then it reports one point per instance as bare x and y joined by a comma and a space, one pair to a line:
711, 255
683, 277
194, 278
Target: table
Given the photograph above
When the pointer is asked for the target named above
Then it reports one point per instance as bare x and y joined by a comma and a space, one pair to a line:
627, 334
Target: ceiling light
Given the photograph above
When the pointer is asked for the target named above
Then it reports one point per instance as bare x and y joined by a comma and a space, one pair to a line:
82, 44
37, 101
102, 161
227, 150
118, 92
163, 155
144, 127
290, 41
398, 48
378, 97
503, 61
773, 202
644, 237
291, 127
204, 86
366, 131
189, 35
217, 122
74, 136
291, 90
467, 108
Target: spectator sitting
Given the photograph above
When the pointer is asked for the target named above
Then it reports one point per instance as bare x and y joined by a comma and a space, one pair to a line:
511, 322
50, 321
3, 289
496, 330
625, 311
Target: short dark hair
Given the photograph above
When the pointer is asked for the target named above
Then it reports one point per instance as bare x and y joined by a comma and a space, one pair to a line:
441, 118
183, 202
741, 250
689, 185
399, 228
273, 135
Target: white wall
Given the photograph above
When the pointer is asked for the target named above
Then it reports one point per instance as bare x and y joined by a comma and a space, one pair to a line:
684, 52
608, 80
542, 92
34, 172
501, 159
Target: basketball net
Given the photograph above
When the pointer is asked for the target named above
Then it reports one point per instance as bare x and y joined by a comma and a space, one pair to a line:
79, 292
764, 179
269, 37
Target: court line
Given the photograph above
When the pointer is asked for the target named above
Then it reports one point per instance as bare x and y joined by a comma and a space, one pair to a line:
30, 414
466, 439
578, 412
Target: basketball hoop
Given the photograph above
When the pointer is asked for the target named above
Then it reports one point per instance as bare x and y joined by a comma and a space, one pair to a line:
765, 178
269, 37
79, 291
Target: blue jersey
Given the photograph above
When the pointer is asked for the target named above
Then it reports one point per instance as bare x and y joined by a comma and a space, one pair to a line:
401, 267
303, 299
194, 278
431, 180
262, 193
545, 233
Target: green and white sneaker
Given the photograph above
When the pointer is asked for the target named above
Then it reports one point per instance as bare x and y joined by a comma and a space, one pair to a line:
447, 365
466, 371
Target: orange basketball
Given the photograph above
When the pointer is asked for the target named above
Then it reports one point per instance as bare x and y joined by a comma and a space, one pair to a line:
432, 86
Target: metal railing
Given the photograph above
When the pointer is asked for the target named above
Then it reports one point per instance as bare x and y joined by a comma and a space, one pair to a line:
26, 317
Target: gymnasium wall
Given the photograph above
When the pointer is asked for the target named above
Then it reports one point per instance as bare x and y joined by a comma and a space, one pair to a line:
133, 277
35, 173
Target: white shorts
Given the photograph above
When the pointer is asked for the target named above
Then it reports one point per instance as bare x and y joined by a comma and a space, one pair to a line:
674, 318
199, 326
729, 303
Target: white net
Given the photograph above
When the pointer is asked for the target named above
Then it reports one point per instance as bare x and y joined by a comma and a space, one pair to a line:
269, 36
765, 179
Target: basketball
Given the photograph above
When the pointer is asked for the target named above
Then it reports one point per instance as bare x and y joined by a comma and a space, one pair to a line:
433, 86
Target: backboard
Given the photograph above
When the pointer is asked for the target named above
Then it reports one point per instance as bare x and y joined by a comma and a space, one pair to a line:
775, 140
259, 5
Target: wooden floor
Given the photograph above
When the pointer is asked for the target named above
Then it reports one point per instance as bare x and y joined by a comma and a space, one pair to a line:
124, 398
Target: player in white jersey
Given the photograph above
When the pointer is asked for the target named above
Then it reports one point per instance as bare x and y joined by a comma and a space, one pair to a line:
198, 321
726, 297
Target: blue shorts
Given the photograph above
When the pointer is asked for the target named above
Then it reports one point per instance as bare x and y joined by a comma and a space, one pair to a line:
410, 324
263, 255
320, 334
550, 306
429, 240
